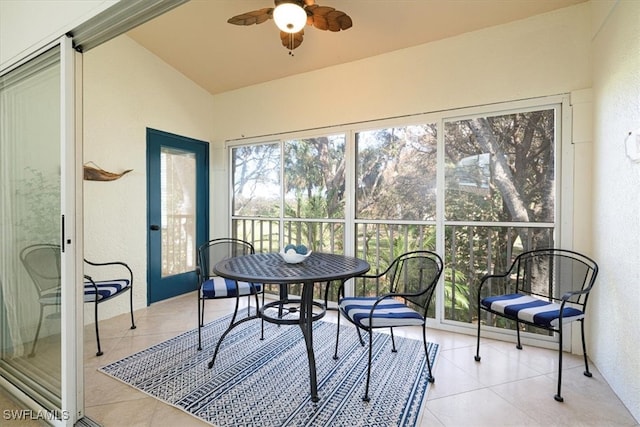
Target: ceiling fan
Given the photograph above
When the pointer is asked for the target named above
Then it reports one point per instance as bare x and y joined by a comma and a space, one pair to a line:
291, 16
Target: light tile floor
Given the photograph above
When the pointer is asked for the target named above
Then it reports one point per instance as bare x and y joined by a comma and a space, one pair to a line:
509, 387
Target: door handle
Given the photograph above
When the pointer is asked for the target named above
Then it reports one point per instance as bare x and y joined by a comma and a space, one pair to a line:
154, 227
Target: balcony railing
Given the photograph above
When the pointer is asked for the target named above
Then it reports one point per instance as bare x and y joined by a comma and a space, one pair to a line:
470, 251
178, 244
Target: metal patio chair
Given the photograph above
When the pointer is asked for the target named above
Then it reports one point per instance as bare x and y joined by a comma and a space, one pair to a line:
42, 262
212, 286
412, 279
545, 288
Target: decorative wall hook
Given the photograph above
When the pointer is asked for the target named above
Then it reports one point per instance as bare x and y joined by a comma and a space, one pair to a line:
93, 172
632, 145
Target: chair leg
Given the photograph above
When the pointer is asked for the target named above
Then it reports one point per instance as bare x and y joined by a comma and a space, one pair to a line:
99, 353
366, 389
393, 342
261, 319
35, 340
360, 337
584, 351
518, 346
558, 396
426, 352
200, 319
477, 356
133, 323
335, 354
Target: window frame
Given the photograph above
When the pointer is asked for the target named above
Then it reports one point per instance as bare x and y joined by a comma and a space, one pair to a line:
564, 167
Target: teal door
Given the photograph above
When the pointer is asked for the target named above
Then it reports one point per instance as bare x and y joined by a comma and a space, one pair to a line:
178, 214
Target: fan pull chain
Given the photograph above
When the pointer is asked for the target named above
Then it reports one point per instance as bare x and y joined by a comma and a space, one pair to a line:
291, 44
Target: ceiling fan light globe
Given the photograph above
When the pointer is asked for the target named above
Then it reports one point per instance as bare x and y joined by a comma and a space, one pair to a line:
289, 17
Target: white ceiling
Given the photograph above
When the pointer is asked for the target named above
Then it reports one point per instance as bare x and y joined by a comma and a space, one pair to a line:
196, 39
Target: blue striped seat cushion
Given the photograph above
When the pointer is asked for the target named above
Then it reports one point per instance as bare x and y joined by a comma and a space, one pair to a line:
106, 289
390, 312
51, 297
219, 287
532, 310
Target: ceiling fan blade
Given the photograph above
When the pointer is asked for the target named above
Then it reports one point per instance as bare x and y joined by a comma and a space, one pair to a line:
291, 41
327, 18
253, 17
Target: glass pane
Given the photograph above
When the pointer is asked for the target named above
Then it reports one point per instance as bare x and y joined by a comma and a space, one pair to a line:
396, 173
381, 243
256, 180
30, 277
498, 169
473, 251
178, 207
501, 168
314, 176
264, 234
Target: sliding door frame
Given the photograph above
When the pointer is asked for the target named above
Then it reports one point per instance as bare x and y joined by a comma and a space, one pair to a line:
71, 326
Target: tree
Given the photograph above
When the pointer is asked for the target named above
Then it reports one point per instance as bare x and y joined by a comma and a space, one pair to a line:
255, 168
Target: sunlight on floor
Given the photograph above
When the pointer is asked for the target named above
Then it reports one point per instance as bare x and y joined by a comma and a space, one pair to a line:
465, 393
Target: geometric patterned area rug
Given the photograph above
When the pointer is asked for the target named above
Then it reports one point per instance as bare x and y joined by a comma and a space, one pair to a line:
266, 383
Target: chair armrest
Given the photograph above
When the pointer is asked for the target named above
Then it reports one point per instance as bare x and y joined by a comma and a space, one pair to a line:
88, 278
488, 278
371, 276
110, 274
199, 275
567, 296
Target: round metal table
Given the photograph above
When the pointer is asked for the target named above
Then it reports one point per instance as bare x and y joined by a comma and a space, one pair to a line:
270, 268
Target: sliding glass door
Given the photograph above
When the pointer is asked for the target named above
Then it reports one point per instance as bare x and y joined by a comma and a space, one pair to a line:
38, 297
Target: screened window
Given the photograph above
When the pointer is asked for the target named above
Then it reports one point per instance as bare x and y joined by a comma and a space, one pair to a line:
501, 168
256, 180
476, 188
396, 173
500, 187
314, 177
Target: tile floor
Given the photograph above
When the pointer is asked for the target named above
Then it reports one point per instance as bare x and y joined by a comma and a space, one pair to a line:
509, 387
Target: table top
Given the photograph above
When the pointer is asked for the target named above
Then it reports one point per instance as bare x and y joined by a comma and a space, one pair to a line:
271, 268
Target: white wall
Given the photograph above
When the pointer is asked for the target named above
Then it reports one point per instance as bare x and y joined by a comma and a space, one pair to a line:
615, 331
26, 25
126, 90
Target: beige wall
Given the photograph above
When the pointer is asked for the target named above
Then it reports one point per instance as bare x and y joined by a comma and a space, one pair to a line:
126, 90
544, 55
615, 335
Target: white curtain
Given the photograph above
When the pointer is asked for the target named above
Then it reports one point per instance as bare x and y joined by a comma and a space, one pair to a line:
29, 189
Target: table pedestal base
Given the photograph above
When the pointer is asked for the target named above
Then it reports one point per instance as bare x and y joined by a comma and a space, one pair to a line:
288, 307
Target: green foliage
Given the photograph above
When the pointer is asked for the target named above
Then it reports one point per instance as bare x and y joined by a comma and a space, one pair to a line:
38, 202
314, 180
497, 169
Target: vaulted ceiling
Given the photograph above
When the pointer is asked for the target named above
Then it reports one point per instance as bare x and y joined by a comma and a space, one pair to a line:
196, 39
